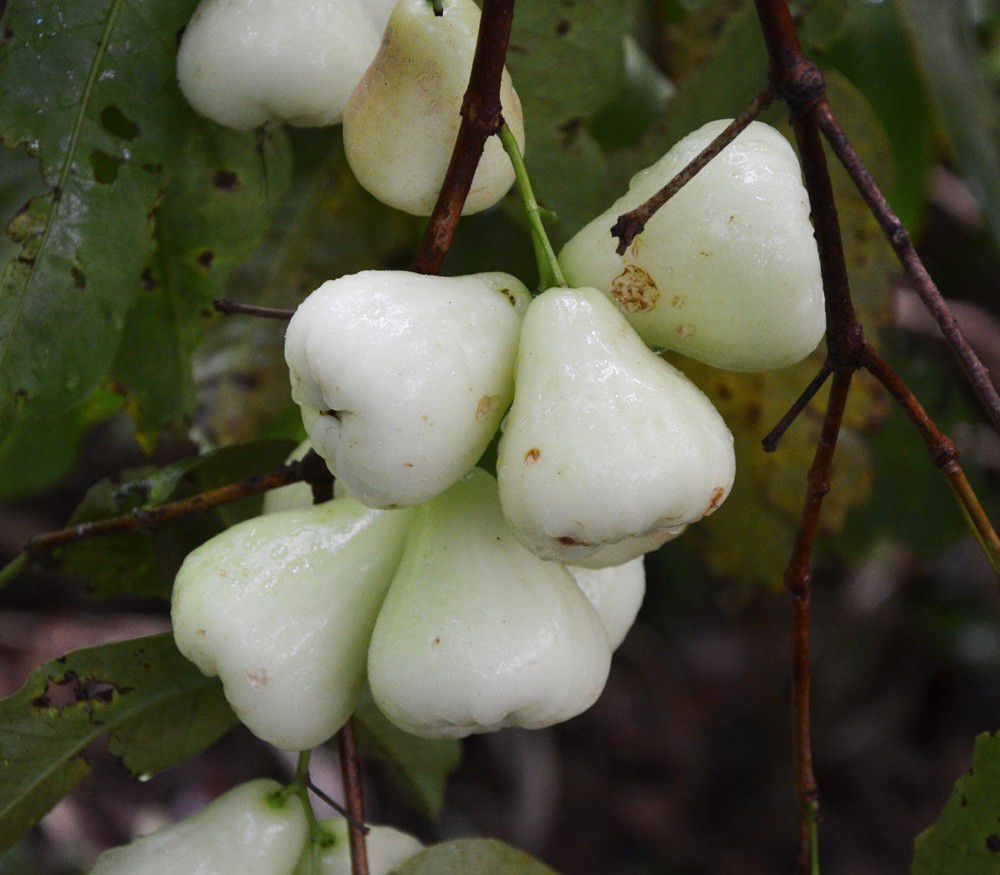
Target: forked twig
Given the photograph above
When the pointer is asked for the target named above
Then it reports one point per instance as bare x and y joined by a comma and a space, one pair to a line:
631, 224
898, 237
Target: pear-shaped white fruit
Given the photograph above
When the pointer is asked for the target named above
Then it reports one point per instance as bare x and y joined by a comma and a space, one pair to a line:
605, 443
244, 62
281, 607
402, 378
387, 848
249, 829
727, 271
294, 496
478, 634
401, 123
616, 594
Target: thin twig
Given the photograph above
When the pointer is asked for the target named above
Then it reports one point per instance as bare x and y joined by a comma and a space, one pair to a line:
943, 454
770, 443
309, 468
233, 308
336, 806
13, 568
631, 224
350, 767
799, 583
899, 239
482, 117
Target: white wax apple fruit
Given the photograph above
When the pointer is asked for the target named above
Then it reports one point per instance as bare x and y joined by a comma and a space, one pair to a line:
252, 828
477, 633
616, 594
605, 444
402, 121
387, 848
244, 62
294, 496
727, 271
281, 608
402, 378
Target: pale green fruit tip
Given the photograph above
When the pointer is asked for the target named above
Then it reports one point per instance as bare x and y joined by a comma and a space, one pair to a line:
242, 831
477, 633
281, 608
607, 451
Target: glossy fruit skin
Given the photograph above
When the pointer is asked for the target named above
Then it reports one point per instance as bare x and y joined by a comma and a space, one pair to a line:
403, 379
401, 123
387, 848
478, 634
616, 594
281, 607
249, 829
727, 271
244, 62
605, 444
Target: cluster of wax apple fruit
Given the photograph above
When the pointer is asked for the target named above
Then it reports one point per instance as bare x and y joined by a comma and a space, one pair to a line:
467, 602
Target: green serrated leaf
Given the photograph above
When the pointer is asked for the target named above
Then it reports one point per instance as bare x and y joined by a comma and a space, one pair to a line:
212, 217
482, 856
145, 563
99, 109
966, 838
418, 766
943, 34
132, 692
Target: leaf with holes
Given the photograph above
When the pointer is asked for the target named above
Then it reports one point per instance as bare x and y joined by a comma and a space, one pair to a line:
212, 217
419, 767
144, 563
153, 706
482, 856
966, 838
101, 111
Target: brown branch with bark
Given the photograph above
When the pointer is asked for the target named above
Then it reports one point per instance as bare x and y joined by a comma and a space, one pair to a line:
350, 768
482, 118
311, 469
797, 81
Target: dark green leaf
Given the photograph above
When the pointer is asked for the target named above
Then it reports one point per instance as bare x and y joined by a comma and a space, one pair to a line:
155, 708
43, 449
567, 61
213, 216
419, 766
944, 37
90, 88
482, 856
145, 563
966, 839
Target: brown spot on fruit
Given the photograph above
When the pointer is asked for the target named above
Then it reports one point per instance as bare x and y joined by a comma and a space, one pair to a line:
634, 290
717, 495
257, 678
200, 633
485, 407
684, 331
677, 301
532, 456
567, 541
407, 464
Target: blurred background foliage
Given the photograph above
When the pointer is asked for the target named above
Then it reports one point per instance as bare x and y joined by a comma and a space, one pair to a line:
681, 761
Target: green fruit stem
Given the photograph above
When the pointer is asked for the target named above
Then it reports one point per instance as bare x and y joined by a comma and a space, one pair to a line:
12, 569
550, 274
299, 786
